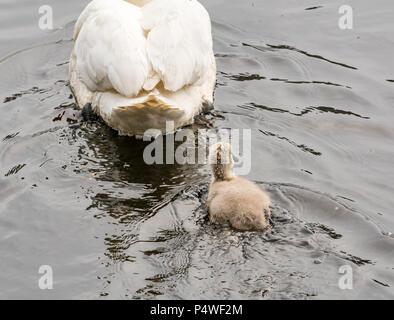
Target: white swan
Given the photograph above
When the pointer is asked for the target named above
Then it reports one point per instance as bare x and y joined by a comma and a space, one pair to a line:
233, 199
140, 63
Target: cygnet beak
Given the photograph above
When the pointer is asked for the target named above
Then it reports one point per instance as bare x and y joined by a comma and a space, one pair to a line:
236, 159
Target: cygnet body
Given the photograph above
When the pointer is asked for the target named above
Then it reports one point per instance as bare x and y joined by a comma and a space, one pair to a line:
234, 199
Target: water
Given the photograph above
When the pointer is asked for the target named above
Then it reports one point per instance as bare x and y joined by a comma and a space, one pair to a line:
318, 99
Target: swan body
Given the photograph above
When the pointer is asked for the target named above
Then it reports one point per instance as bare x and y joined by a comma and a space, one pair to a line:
234, 199
141, 63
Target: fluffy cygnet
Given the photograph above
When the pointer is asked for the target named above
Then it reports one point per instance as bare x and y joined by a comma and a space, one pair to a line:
234, 199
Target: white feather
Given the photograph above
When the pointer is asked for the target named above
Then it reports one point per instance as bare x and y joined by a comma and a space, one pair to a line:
111, 49
128, 51
179, 41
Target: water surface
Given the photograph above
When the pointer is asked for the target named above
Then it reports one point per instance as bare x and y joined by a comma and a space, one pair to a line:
78, 197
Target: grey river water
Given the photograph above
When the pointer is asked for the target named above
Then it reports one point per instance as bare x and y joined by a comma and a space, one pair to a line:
319, 101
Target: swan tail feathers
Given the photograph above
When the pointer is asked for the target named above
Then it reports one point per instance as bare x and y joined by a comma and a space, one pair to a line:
150, 117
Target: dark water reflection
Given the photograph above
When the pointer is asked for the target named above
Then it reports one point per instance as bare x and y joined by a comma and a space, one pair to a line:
80, 198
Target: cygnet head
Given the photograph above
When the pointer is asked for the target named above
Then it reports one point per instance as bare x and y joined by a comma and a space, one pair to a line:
221, 161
